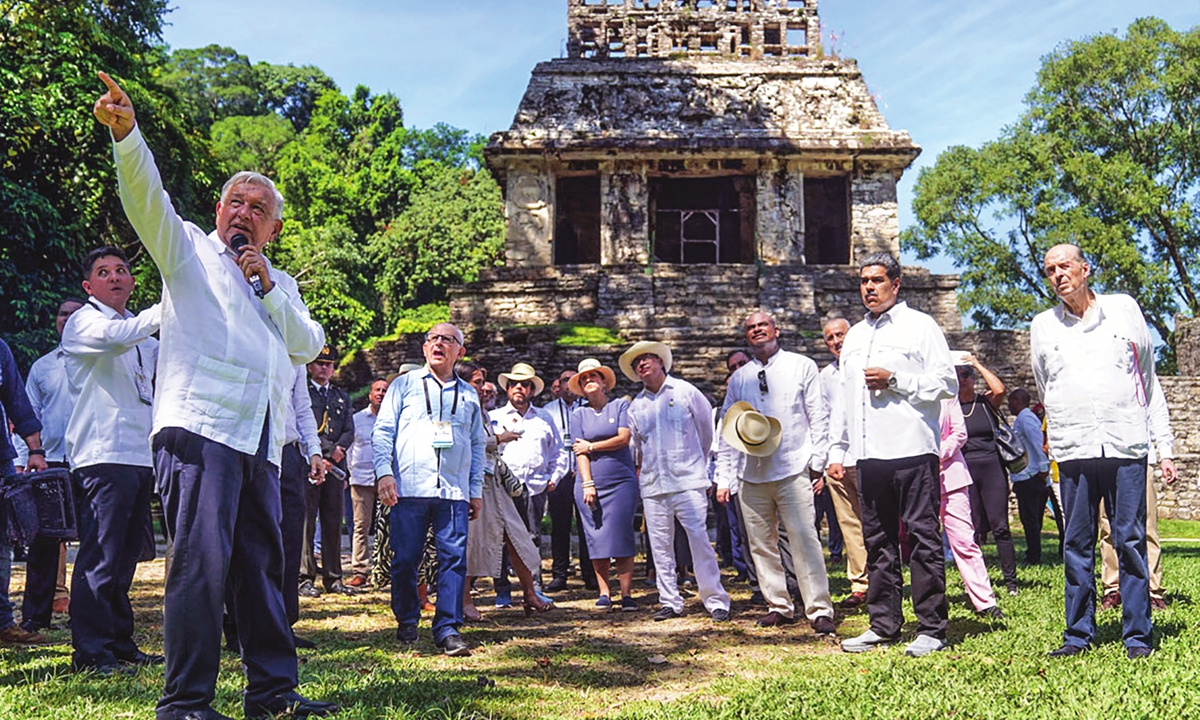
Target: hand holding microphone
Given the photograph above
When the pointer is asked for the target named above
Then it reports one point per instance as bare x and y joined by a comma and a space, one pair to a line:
252, 264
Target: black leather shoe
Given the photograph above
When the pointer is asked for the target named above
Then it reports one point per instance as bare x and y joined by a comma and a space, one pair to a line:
205, 714
407, 634
307, 589
774, 619
454, 645
1137, 653
141, 658
102, 669
303, 643
824, 626
556, 585
1068, 650
342, 589
291, 705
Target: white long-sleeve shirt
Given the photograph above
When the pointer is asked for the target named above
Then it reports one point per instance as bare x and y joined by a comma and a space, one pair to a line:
1162, 437
560, 413
360, 458
834, 392
1095, 375
793, 398
672, 433
227, 356
901, 421
533, 457
106, 354
1029, 429
50, 395
301, 424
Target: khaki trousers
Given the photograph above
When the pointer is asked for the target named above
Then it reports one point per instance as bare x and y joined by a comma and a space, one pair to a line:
844, 494
788, 501
1109, 576
363, 499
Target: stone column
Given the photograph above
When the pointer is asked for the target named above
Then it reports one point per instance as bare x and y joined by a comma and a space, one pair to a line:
529, 209
624, 213
874, 215
780, 217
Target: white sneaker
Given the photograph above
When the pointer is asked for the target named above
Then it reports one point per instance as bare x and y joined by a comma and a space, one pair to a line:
867, 641
923, 645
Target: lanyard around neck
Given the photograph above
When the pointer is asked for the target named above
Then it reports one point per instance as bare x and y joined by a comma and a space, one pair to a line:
429, 406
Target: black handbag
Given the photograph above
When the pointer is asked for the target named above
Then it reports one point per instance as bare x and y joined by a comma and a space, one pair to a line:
40, 504
1013, 454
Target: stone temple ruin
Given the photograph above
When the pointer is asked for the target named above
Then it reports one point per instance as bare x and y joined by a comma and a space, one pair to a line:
689, 162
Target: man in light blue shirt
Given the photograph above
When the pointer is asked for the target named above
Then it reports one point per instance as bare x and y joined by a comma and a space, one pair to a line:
1029, 485
429, 446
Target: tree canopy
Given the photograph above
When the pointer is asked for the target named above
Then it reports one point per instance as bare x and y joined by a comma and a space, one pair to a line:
1106, 156
379, 217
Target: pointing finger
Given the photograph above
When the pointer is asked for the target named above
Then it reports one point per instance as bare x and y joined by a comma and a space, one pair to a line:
109, 82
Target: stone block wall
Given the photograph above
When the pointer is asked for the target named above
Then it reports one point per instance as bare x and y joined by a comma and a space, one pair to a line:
1187, 345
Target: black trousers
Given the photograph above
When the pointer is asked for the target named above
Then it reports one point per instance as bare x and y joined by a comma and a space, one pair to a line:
908, 490
114, 506
223, 514
327, 498
1031, 506
561, 506
41, 578
989, 509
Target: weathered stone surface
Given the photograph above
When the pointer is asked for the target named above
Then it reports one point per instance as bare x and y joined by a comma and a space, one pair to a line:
1187, 345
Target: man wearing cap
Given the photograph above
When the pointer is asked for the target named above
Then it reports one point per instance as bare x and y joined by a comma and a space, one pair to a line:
844, 492
530, 444
429, 446
774, 440
560, 501
672, 431
896, 370
335, 425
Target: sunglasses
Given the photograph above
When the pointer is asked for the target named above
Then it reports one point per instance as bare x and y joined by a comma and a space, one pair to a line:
762, 381
522, 383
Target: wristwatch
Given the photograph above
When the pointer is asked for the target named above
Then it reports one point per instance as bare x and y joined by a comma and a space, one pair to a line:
891, 381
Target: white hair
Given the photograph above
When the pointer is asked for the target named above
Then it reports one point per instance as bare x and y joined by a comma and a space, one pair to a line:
248, 177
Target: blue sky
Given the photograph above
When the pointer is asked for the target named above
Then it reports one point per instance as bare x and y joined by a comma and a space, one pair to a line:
950, 72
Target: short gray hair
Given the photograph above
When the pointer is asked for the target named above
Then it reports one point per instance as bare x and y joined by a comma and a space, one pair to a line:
249, 177
884, 260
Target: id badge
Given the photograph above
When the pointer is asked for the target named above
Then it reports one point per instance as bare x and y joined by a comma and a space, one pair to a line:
443, 435
144, 388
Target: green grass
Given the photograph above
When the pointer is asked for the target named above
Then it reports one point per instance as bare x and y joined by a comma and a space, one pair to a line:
574, 663
586, 336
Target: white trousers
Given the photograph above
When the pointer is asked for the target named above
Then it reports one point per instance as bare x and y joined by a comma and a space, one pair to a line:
788, 501
690, 507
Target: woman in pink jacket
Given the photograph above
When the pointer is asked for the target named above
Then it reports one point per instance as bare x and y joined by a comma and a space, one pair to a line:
956, 513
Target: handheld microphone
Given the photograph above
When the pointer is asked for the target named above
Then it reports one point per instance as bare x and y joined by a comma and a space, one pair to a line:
236, 244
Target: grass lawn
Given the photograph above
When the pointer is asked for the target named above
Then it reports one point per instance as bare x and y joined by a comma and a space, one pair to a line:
575, 663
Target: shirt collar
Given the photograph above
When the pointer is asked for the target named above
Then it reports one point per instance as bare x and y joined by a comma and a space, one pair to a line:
105, 310
887, 315
668, 383
1091, 317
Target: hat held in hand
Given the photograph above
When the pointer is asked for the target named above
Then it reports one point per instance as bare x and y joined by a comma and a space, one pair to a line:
751, 432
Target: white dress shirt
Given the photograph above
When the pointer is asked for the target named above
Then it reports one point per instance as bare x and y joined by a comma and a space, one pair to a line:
1162, 437
1095, 375
51, 397
901, 421
228, 357
672, 433
360, 459
560, 413
793, 398
105, 354
533, 457
1029, 429
301, 424
834, 392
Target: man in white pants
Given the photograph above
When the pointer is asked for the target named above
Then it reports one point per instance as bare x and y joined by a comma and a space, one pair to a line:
672, 431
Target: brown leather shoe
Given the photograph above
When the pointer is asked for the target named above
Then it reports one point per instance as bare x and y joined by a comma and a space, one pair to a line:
62, 605
854, 599
356, 581
1111, 600
774, 619
16, 635
1158, 604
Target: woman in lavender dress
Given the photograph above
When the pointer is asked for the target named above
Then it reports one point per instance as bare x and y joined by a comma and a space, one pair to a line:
607, 495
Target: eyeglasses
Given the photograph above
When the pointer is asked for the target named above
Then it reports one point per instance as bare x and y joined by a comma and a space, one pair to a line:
434, 338
762, 381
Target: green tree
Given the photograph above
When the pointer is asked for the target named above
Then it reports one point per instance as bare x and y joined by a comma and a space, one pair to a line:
1106, 156
251, 142
452, 229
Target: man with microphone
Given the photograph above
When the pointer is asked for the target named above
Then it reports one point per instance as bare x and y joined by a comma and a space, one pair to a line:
232, 330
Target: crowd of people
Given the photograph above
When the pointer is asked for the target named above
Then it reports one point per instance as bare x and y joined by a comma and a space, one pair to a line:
230, 418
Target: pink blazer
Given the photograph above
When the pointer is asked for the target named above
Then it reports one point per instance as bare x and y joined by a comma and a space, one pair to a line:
954, 436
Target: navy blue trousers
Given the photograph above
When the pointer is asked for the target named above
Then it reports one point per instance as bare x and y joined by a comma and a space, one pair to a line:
114, 506
1121, 483
411, 519
223, 514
